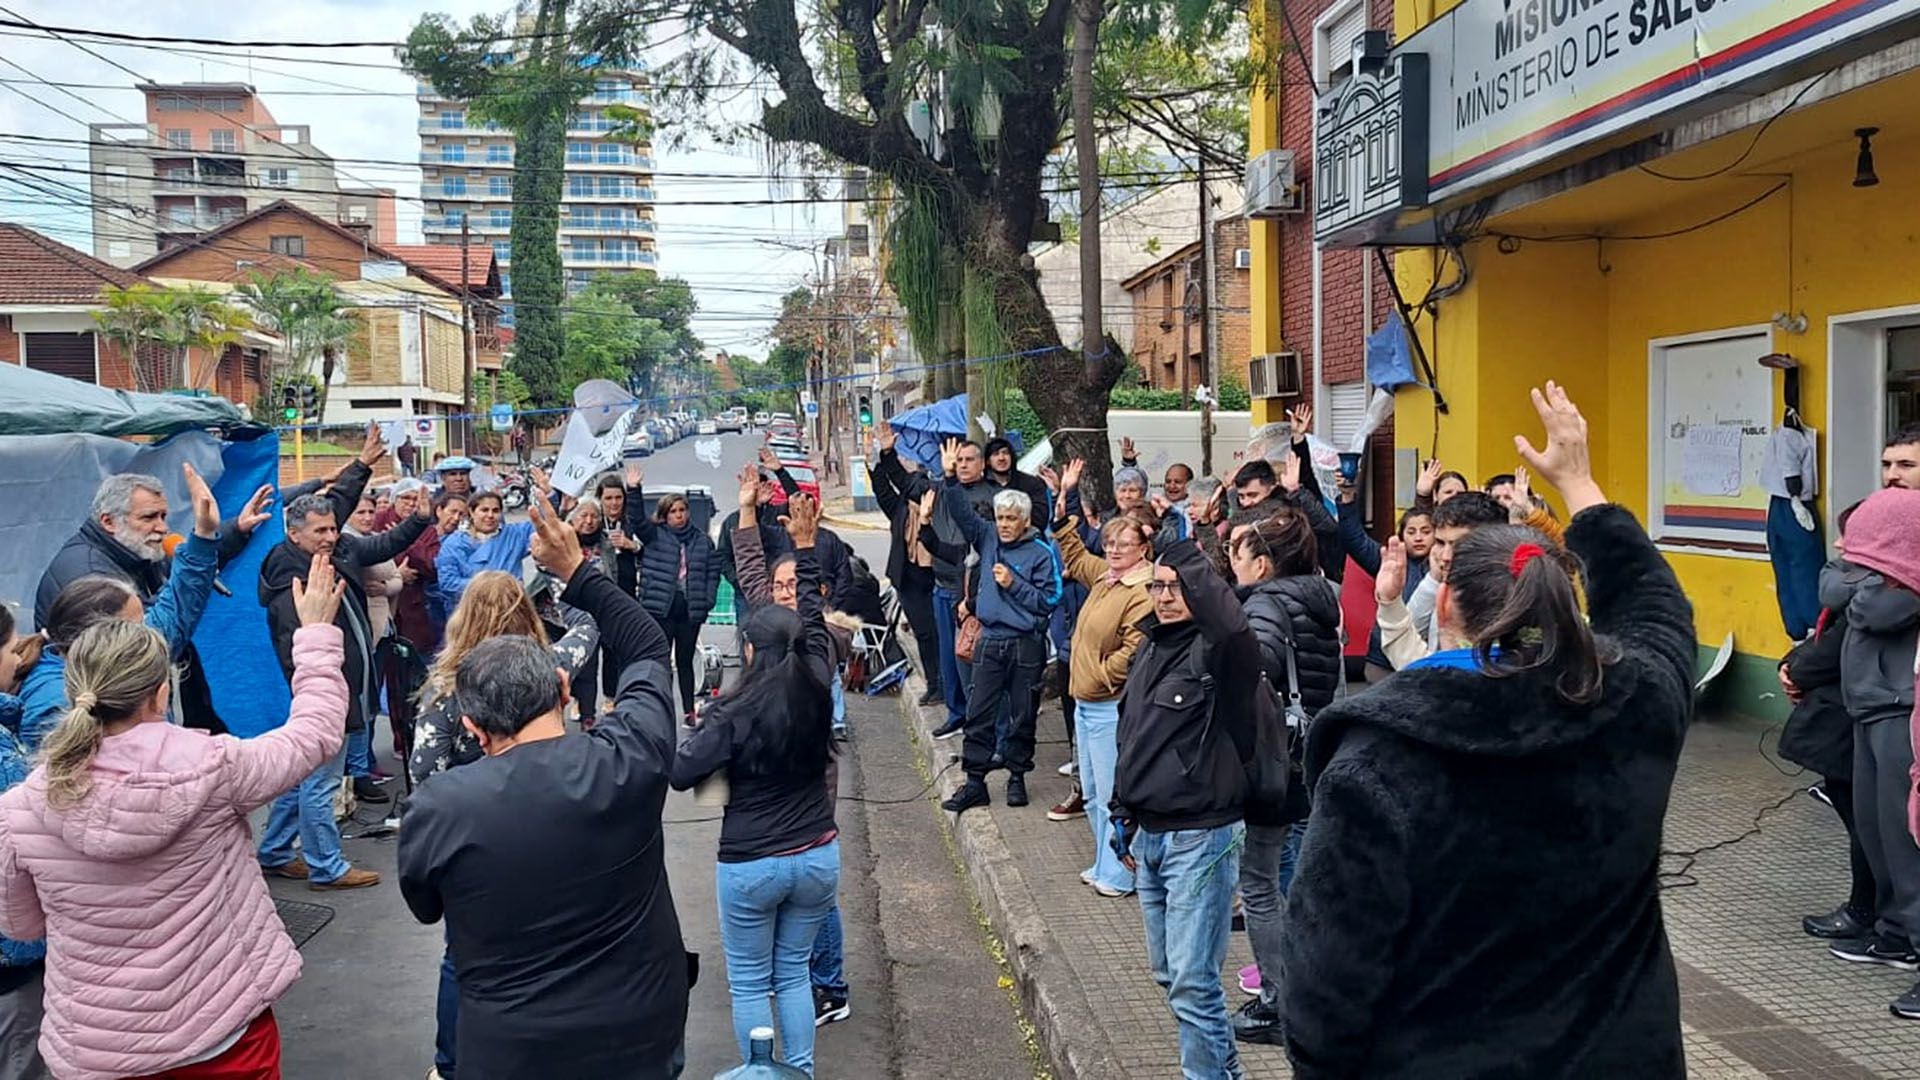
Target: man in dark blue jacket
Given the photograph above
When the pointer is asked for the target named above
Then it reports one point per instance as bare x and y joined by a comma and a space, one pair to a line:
1020, 585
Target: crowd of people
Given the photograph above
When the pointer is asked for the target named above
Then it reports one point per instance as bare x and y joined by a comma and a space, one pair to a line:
1445, 854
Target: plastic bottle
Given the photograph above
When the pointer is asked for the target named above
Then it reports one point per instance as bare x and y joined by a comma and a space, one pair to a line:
760, 1064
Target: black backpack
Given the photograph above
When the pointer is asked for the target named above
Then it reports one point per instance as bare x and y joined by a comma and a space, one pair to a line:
1269, 771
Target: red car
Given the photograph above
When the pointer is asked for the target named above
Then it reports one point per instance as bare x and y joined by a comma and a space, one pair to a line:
803, 475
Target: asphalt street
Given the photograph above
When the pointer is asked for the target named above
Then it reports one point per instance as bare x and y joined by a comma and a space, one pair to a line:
932, 1006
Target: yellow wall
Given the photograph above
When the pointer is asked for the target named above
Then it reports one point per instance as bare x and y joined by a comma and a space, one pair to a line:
1584, 315
1263, 237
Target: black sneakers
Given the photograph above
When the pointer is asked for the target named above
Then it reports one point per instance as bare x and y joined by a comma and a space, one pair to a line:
933, 696
1016, 790
971, 794
1257, 1022
1841, 924
1889, 952
949, 729
365, 790
829, 1008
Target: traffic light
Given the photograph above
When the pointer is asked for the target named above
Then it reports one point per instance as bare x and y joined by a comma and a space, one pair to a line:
866, 411
309, 398
290, 402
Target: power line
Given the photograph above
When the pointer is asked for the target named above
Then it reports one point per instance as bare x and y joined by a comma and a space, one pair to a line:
114, 35
90, 52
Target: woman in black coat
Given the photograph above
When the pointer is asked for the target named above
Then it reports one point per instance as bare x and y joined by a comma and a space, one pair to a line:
1478, 895
1295, 614
679, 579
1819, 737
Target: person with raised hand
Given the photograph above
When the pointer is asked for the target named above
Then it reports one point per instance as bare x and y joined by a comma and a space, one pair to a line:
1526, 774
113, 846
546, 856
909, 563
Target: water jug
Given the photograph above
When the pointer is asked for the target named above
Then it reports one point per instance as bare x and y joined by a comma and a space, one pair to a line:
760, 1064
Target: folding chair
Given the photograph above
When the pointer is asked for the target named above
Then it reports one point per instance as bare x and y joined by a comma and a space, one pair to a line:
879, 648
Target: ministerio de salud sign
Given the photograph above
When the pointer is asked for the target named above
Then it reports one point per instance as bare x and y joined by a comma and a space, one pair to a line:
1517, 83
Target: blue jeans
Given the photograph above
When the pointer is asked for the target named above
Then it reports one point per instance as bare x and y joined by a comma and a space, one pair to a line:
306, 812
956, 676
839, 702
1186, 881
1096, 731
828, 966
1797, 555
770, 915
446, 1017
360, 751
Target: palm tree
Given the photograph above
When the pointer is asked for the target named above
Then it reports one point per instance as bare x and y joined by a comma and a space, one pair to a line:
174, 321
134, 317
310, 316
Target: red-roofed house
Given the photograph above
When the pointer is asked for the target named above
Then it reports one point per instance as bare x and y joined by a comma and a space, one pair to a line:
48, 294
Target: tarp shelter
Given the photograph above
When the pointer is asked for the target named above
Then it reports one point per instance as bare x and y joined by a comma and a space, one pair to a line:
59, 438
922, 430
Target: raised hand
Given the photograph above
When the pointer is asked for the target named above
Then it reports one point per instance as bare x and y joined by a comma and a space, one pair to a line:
802, 520
374, 448
541, 480
1290, 474
1566, 462
1300, 418
317, 599
1521, 507
1050, 476
769, 460
1127, 451
949, 456
1070, 479
634, 477
926, 505
206, 512
749, 495
1160, 505
1429, 479
257, 511
1391, 582
556, 547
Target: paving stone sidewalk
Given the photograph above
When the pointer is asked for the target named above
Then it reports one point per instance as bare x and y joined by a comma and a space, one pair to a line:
1758, 997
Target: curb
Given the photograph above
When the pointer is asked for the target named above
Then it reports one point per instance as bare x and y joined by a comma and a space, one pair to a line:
1055, 1001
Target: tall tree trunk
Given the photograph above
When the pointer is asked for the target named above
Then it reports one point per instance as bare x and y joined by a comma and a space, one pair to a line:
1086, 28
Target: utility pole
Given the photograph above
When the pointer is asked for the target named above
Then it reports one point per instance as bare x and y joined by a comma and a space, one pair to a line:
1093, 336
1208, 361
466, 337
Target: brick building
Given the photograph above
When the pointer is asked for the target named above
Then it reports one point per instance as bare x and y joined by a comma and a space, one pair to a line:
409, 358
49, 293
1162, 327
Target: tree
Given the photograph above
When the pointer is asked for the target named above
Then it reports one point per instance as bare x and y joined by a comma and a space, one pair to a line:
312, 319
174, 322
1003, 64
526, 74
606, 339
668, 304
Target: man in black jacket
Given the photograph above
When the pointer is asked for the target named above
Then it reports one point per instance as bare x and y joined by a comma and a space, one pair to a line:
909, 563
968, 490
1179, 790
125, 537
313, 529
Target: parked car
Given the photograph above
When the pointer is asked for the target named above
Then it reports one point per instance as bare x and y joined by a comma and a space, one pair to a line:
762, 418
709, 427
731, 420
640, 443
803, 475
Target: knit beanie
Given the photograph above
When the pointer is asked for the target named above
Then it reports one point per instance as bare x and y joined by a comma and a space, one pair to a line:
1884, 535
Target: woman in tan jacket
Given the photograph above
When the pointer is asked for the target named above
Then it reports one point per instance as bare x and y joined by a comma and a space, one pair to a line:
1105, 637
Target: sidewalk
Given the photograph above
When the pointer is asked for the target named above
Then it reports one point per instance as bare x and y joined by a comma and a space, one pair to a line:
1758, 997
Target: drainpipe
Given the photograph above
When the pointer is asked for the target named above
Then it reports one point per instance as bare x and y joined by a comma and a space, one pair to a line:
1322, 415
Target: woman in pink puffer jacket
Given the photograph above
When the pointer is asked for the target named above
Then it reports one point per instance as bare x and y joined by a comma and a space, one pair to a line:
128, 850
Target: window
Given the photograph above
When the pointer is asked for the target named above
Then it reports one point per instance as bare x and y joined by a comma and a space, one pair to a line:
611, 188
500, 153
180, 138
500, 219
502, 250
295, 246
453, 153
223, 105
1166, 301
857, 241
857, 186
1334, 35
223, 140
453, 120
456, 218
579, 153
454, 186
500, 186
282, 178
580, 187
357, 214
609, 153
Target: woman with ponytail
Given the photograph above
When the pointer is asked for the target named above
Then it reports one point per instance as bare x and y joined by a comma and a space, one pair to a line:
130, 830
779, 871
1478, 893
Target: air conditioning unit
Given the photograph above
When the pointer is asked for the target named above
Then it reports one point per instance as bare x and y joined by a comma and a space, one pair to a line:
1271, 191
1243, 258
1272, 375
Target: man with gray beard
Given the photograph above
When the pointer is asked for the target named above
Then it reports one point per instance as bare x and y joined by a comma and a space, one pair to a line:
125, 537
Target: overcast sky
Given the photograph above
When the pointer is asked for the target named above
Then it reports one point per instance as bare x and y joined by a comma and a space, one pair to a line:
368, 112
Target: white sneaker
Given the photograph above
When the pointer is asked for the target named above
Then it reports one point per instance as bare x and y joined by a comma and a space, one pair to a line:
1086, 878
1069, 769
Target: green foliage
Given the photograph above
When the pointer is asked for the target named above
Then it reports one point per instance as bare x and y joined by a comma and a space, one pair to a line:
1018, 415
310, 316
915, 242
174, 321
605, 339
507, 387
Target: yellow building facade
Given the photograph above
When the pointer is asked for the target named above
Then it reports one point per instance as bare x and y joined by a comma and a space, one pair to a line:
1650, 268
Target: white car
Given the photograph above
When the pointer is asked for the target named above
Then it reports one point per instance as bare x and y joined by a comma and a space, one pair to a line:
762, 418
708, 427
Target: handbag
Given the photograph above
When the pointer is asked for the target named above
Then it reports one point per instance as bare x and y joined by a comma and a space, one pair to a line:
966, 637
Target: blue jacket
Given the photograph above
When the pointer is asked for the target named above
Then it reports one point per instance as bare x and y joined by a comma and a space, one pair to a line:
14, 766
1022, 608
463, 556
174, 612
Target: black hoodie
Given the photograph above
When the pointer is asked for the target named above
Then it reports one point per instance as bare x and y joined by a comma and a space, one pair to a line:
1301, 614
1479, 891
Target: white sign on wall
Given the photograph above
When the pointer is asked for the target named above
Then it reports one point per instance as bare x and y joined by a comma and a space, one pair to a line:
1517, 82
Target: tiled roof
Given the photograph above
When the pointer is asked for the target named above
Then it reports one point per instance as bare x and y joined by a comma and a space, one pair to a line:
36, 270
443, 260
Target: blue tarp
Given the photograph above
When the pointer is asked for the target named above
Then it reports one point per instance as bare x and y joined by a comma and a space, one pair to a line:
1390, 357
922, 430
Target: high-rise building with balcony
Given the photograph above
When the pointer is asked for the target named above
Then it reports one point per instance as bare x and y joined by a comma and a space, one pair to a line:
606, 208
209, 154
